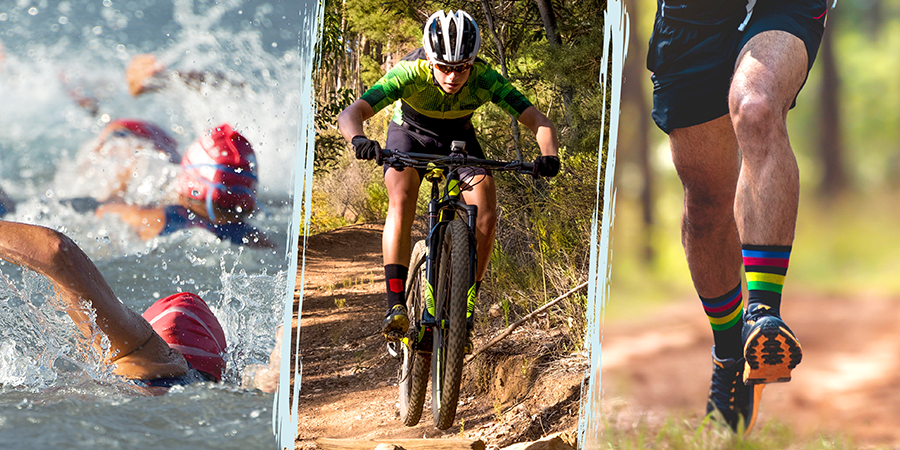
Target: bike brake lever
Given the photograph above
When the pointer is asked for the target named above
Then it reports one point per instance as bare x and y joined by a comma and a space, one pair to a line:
380, 154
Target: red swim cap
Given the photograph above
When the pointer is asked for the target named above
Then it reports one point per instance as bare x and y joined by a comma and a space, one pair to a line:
223, 166
146, 130
186, 323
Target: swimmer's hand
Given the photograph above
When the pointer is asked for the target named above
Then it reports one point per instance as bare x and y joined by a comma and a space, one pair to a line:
141, 73
258, 376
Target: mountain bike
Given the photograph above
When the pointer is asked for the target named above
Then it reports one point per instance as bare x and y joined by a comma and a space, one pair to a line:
440, 289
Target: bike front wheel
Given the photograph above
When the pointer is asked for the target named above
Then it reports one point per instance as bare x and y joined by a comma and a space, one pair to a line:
449, 337
414, 363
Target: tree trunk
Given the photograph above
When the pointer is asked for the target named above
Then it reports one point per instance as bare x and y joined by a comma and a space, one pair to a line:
633, 93
549, 19
342, 58
363, 44
834, 179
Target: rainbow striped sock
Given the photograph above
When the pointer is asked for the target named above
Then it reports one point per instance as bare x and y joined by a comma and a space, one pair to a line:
765, 267
725, 316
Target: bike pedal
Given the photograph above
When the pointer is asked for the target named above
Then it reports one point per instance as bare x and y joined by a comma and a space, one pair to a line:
394, 336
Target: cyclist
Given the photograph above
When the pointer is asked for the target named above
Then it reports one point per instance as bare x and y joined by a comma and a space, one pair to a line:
437, 88
725, 75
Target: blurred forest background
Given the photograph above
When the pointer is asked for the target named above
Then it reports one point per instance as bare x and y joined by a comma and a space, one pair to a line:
845, 131
551, 51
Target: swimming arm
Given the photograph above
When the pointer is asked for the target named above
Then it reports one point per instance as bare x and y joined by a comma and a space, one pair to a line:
136, 349
147, 222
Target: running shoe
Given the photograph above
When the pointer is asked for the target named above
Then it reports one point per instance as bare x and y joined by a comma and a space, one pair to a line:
396, 323
771, 350
735, 402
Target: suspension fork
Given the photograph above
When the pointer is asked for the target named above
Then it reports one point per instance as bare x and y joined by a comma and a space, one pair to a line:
472, 215
432, 241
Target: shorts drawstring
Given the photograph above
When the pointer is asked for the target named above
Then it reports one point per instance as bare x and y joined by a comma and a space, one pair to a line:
750, 5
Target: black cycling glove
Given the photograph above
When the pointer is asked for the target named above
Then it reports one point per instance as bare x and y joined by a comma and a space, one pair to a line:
365, 147
546, 166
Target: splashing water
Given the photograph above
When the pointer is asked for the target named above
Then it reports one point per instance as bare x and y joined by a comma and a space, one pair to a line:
38, 339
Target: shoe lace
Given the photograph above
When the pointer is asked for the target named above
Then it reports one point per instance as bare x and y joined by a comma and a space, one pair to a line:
726, 392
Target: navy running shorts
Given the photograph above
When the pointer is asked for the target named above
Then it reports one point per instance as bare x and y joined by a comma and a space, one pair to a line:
408, 138
692, 63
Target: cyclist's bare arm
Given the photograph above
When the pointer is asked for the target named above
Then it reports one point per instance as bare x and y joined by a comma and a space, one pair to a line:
137, 350
543, 130
350, 120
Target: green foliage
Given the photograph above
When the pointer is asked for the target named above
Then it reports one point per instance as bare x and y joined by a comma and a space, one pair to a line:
395, 27
330, 37
370, 70
323, 219
329, 142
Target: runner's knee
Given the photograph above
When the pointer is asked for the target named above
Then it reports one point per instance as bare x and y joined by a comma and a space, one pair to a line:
757, 113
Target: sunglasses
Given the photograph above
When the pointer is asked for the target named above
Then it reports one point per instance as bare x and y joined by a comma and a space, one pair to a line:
446, 70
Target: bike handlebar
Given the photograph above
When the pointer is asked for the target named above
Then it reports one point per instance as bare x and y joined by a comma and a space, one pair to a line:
423, 160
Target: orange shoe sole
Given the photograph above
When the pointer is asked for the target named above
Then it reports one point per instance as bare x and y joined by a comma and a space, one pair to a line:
771, 353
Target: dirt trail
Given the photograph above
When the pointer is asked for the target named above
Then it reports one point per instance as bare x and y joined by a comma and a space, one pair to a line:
847, 383
349, 384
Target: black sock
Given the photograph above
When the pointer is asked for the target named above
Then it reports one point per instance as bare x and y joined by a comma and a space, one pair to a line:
725, 314
395, 283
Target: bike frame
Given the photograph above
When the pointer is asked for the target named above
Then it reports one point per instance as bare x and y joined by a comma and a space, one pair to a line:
442, 209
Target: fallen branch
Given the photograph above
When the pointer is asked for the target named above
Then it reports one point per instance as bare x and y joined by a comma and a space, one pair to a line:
519, 322
407, 444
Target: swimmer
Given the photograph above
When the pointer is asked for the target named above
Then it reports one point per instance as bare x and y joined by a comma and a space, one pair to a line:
177, 341
130, 161
146, 74
216, 192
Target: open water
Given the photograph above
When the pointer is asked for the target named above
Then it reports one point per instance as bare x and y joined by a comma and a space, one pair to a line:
53, 393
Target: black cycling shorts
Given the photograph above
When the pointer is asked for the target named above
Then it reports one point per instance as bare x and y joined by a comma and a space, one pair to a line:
408, 138
692, 64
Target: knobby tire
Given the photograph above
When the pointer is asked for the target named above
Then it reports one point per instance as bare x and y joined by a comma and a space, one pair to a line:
414, 365
450, 307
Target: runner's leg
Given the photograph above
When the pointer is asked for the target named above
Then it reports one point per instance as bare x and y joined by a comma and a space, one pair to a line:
770, 71
706, 159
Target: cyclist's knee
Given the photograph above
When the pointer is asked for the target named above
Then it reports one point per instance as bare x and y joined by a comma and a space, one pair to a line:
402, 202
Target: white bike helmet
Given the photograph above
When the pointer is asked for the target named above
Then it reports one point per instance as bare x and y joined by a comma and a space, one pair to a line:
451, 39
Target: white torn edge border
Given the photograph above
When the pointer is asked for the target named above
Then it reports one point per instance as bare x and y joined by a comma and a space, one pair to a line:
615, 46
285, 412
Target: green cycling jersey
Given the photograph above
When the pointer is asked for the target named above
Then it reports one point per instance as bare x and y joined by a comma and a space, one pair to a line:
421, 101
